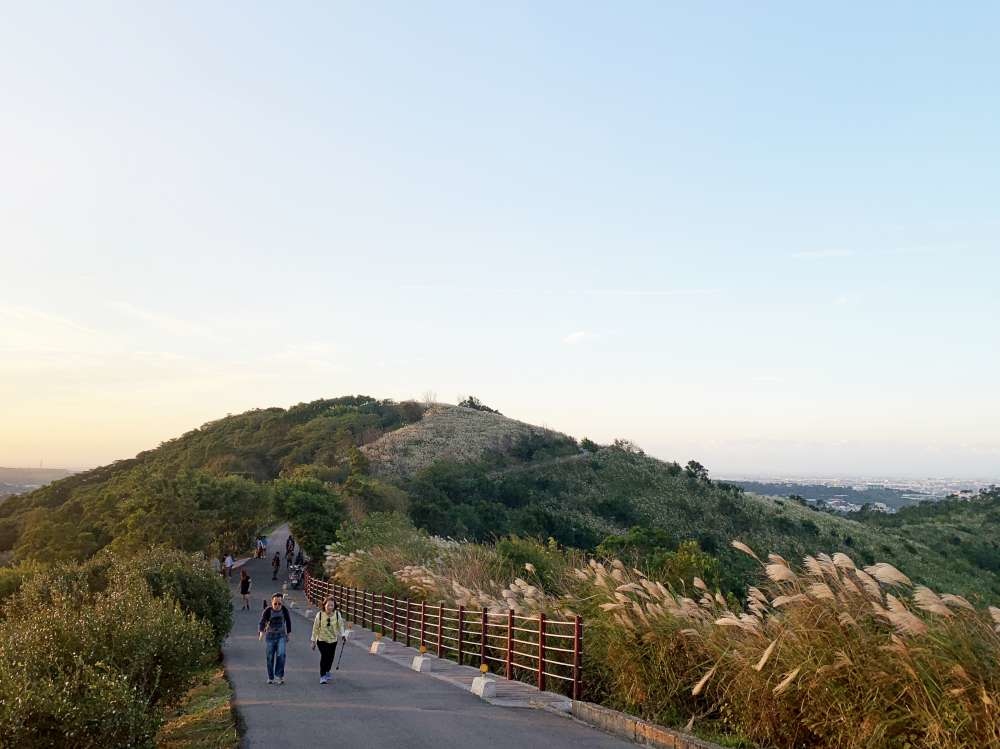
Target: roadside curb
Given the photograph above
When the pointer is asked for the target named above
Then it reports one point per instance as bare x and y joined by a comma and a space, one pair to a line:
629, 727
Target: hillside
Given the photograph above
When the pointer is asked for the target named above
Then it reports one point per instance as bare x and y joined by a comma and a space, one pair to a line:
448, 433
463, 473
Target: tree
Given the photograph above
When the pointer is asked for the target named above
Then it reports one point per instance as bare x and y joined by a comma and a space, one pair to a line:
474, 403
314, 511
696, 470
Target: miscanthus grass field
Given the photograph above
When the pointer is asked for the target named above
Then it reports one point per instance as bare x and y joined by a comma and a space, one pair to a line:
822, 652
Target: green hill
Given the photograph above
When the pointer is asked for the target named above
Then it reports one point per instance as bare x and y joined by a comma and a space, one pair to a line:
465, 473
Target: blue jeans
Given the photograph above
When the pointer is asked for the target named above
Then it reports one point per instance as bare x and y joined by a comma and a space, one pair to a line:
275, 656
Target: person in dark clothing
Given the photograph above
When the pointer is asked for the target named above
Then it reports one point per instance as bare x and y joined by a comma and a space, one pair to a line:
245, 584
276, 625
300, 558
275, 565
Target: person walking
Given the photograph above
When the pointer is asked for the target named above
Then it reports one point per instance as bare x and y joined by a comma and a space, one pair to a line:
276, 625
327, 628
275, 565
228, 563
300, 558
246, 583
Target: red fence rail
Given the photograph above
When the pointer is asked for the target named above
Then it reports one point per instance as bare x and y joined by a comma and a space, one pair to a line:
529, 648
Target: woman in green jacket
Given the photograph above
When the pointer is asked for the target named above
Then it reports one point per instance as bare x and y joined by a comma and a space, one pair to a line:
328, 626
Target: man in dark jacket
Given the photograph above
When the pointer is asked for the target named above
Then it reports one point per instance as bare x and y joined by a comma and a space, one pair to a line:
276, 624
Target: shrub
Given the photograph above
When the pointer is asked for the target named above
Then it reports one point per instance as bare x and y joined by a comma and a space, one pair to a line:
81, 705
12, 578
192, 584
103, 654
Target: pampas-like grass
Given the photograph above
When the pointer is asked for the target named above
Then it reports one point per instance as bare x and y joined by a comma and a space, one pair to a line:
825, 654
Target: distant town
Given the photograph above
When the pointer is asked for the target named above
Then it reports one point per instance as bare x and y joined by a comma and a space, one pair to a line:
852, 494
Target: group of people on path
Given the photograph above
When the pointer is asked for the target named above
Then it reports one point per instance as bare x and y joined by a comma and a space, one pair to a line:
291, 557
275, 628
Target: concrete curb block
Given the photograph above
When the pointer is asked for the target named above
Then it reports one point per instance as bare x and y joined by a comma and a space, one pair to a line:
422, 664
484, 686
634, 729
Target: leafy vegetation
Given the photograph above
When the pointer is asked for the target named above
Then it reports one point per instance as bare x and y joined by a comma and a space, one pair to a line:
965, 531
210, 489
584, 499
474, 403
104, 654
828, 654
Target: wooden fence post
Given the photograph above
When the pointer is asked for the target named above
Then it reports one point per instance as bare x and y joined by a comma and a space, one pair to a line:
541, 652
440, 647
461, 616
577, 658
510, 643
483, 636
423, 622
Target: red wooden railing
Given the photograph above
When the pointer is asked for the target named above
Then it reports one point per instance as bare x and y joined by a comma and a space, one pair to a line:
527, 647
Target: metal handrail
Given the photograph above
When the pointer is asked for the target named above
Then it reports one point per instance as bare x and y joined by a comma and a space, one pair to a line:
477, 634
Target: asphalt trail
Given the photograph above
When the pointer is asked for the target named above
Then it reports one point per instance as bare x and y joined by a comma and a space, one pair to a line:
371, 702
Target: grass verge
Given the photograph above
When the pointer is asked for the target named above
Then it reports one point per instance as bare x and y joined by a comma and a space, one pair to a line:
205, 718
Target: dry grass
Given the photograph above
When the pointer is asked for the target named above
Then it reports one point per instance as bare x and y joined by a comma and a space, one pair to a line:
444, 433
821, 654
204, 719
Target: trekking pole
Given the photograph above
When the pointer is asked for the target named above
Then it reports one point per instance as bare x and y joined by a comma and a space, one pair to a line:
343, 647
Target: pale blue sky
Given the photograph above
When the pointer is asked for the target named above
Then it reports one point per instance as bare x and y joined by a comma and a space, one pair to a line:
764, 238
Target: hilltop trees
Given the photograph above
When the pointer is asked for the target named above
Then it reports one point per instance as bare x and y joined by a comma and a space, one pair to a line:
314, 509
473, 402
191, 511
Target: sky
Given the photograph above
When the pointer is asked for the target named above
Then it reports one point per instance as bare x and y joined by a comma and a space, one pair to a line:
764, 237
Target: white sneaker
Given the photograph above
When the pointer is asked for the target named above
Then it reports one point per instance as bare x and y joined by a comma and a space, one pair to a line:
270, 681
281, 681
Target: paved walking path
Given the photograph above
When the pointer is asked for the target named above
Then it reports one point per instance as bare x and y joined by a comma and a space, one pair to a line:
372, 701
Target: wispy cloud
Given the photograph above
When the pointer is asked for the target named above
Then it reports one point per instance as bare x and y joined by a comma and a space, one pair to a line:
172, 325
822, 254
575, 338
524, 291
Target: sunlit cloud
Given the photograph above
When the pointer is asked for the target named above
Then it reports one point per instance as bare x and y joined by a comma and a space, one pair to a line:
575, 338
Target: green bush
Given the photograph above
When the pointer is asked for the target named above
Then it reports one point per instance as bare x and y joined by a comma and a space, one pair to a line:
122, 625
314, 510
103, 654
385, 529
81, 705
12, 578
191, 583
547, 562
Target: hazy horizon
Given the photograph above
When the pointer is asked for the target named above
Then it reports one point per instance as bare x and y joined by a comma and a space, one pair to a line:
764, 238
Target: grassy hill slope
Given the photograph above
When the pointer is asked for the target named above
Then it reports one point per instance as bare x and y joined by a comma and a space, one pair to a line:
449, 433
470, 474
582, 501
